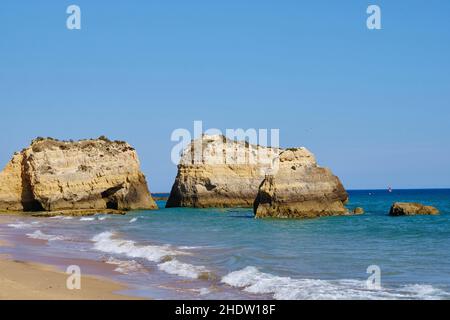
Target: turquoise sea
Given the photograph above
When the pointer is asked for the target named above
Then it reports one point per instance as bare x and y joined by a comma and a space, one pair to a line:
227, 254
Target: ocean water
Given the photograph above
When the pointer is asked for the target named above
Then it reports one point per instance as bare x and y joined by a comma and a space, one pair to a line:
187, 253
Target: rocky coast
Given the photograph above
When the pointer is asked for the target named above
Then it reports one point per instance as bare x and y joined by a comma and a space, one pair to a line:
284, 183
52, 175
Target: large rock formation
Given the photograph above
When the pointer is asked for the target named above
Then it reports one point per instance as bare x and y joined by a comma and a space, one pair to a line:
217, 172
300, 189
53, 175
411, 209
13, 197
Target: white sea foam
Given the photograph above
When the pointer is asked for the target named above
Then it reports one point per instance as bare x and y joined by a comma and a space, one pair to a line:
204, 291
20, 225
62, 217
87, 219
185, 270
102, 218
425, 292
251, 280
106, 242
133, 220
42, 236
125, 267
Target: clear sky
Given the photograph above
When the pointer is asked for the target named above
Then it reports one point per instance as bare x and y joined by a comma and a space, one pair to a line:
374, 106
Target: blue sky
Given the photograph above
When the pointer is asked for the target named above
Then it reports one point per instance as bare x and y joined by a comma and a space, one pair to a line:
372, 105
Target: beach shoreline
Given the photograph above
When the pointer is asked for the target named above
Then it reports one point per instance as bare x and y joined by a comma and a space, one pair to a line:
29, 280
24, 280
163, 255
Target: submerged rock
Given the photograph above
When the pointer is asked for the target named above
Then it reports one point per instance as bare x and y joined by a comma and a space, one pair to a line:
53, 175
410, 209
217, 172
300, 189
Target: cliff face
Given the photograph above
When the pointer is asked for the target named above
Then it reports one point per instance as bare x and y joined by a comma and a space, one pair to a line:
300, 189
12, 195
89, 174
217, 172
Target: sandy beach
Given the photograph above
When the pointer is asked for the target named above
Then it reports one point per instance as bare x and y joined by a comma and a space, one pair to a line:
4, 243
21, 280
29, 280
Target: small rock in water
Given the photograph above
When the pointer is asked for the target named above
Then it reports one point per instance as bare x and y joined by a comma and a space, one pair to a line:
411, 209
358, 210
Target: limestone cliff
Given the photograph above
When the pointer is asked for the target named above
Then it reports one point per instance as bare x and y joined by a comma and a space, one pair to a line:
13, 197
53, 175
300, 189
217, 172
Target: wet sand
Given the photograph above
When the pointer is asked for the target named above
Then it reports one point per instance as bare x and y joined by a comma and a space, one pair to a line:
24, 280
4, 243
20, 280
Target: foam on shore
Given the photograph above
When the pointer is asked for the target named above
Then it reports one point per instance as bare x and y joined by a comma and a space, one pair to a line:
87, 219
185, 270
253, 281
62, 217
20, 225
163, 255
39, 235
125, 266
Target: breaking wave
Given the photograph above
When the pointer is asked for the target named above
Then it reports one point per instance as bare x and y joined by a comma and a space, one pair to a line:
163, 255
87, 219
185, 270
62, 217
253, 281
20, 225
125, 267
42, 236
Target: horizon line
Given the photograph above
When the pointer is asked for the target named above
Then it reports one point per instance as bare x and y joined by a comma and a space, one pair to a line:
376, 189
